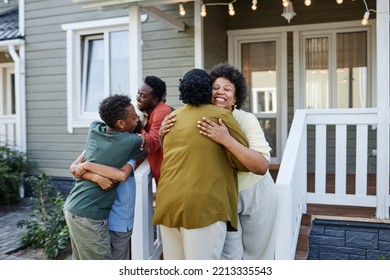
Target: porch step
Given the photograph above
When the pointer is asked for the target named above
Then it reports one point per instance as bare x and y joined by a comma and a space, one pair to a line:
303, 239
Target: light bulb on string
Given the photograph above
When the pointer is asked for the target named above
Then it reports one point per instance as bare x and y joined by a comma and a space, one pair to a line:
307, 2
203, 12
182, 11
285, 3
339, 1
231, 9
365, 18
254, 5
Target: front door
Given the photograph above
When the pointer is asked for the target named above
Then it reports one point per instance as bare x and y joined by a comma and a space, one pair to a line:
260, 58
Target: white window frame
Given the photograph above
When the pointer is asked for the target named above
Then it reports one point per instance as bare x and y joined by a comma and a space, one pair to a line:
270, 94
330, 31
75, 33
238, 37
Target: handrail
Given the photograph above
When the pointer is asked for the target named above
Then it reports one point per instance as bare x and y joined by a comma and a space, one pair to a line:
289, 213
145, 241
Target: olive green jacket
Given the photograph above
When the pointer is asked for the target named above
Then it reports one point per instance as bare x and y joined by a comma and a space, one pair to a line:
198, 183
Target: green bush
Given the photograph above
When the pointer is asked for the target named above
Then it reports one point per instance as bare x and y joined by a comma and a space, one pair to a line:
47, 228
13, 165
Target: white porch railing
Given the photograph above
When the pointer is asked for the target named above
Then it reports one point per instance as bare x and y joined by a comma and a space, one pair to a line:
145, 241
292, 176
8, 130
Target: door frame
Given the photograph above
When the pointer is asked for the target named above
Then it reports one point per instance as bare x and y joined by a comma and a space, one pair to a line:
238, 37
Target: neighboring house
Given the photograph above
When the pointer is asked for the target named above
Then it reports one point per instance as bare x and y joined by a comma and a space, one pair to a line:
69, 54
12, 94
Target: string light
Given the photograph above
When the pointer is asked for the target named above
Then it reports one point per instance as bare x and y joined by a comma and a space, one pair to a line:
365, 18
203, 12
231, 9
254, 5
182, 11
366, 14
288, 11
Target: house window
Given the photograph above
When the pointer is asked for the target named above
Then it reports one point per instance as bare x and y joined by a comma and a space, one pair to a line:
98, 59
336, 70
98, 66
93, 73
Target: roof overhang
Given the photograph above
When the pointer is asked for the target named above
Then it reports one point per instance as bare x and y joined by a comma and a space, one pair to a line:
148, 6
110, 3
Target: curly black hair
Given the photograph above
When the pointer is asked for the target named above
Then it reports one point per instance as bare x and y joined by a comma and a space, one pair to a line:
114, 108
195, 88
159, 87
229, 72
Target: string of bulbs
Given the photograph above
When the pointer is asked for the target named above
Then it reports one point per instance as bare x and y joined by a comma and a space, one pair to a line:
203, 11
285, 3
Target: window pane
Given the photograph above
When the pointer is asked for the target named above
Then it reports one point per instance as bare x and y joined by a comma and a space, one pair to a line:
352, 70
93, 88
269, 128
119, 62
317, 73
259, 68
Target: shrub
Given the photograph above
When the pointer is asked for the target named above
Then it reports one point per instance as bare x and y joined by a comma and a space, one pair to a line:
47, 229
13, 165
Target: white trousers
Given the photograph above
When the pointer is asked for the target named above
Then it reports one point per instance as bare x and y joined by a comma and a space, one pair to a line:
204, 243
255, 238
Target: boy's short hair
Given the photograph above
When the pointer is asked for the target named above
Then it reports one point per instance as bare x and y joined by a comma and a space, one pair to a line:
114, 108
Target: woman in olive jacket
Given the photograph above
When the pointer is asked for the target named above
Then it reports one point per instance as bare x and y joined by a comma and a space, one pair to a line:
197, 195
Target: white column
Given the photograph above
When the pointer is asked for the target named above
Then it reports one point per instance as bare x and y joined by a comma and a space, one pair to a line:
199, 41
135, 51
382, 80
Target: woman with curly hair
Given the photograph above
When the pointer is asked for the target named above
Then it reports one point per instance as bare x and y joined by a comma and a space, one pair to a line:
257, 198
196, 201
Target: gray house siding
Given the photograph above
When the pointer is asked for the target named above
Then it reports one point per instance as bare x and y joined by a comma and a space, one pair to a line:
166, 53
5, 7
215, 37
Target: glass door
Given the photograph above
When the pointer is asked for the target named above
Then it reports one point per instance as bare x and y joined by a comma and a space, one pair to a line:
259, 65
